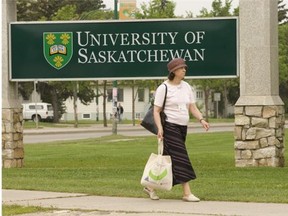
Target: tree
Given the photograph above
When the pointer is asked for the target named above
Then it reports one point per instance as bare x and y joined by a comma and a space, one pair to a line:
97, 15
218, 9
35, 10
283, 63
156, 9
57, 93
25, 89
282, 12
67, 12
230, 93
81, 90
54, 93
85, 6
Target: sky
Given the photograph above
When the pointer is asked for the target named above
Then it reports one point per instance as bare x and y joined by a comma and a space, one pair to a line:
185, 5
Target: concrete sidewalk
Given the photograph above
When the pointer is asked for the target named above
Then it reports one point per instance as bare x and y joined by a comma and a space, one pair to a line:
84, 205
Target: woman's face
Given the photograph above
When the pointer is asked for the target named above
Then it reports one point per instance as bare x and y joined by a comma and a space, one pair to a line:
180, 73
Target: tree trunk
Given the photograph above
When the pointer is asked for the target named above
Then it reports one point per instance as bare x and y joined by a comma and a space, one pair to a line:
225, 98
207, 94
75, 104
54, 101
97, 100
133, 103
104, 104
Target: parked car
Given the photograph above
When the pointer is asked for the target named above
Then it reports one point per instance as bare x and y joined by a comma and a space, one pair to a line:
44, 111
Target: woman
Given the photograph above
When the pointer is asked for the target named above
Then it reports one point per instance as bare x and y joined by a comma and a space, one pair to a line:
179, 102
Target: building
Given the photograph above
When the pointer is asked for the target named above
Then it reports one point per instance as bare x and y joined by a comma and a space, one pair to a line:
125, 97
142, 98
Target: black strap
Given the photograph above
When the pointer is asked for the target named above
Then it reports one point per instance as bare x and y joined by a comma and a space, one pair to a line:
164, 97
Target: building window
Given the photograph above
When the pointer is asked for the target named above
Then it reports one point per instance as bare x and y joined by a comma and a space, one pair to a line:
141, 95
120, 95
86, 116
199, 94
137, 115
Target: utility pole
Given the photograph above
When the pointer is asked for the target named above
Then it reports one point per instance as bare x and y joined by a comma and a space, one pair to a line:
114, 91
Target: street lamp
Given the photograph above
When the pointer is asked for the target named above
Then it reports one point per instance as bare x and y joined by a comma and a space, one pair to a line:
114, 92
116, 9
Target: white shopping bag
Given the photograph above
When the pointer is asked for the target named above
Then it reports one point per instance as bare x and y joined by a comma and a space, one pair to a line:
158, 171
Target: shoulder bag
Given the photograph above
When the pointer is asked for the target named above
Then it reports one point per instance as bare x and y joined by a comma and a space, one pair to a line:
148, 121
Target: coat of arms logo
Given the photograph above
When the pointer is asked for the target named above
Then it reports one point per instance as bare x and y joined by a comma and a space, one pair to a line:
58, 48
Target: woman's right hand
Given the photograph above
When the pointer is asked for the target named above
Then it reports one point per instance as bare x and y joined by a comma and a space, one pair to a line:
157, 120
160, 133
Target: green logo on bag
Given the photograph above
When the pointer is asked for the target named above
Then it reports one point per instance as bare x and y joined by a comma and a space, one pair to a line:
58, 48
158, 177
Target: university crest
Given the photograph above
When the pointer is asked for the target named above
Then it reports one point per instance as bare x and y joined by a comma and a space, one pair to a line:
58, 48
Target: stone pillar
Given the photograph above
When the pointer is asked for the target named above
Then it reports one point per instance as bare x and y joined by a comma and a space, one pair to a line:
12, 130
259, 112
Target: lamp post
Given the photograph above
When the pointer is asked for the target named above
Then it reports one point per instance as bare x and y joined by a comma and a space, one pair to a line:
114, 92
115, 9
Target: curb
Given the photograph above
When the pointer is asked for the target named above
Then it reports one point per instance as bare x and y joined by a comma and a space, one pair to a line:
102, 129
109, 128
76, 130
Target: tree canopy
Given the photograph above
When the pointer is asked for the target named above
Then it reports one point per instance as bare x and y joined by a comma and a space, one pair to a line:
282, 12
35, 10
156, 9
283, 63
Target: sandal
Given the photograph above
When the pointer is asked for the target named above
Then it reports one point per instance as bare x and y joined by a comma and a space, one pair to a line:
152, 194
191, 198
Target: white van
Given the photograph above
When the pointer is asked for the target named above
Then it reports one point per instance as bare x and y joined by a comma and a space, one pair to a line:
44, 111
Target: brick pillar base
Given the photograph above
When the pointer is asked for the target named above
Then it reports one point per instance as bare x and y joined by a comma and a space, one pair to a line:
12, 138
259, 136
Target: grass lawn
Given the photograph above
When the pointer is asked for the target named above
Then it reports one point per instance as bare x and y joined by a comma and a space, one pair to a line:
113, 166
9, 210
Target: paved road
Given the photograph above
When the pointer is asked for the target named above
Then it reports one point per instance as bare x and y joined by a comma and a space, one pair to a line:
60, 134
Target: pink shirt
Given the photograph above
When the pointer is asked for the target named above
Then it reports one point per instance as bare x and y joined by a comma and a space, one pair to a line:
179, 97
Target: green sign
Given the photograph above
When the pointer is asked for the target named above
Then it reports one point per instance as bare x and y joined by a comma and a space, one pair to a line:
122, 49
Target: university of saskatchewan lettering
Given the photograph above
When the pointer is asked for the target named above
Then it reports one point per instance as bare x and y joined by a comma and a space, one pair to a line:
139, 47
58, 48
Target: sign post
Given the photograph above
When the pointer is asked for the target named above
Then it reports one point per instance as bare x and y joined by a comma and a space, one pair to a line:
114, 107
35, 99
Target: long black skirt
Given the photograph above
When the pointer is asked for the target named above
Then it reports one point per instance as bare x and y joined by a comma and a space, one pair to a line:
174, 145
